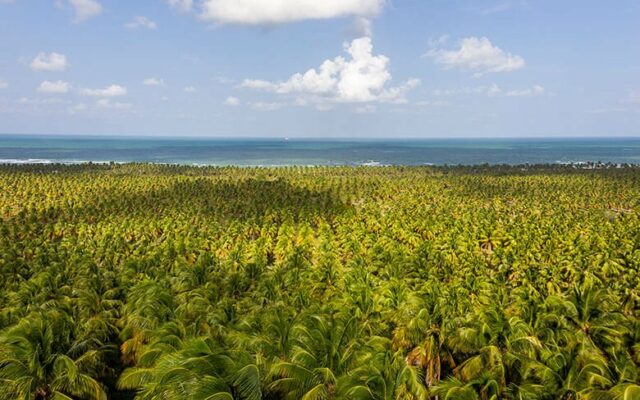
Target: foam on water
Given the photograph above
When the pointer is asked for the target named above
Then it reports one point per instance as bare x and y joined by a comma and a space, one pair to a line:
25, 161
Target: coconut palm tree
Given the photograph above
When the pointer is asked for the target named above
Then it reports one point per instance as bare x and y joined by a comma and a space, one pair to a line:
322, 362
200, 369
37, 361
387, 374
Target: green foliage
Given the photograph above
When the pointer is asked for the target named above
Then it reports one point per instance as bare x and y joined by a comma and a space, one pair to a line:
169, 282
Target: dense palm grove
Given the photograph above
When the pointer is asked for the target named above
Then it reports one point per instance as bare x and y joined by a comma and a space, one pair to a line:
167, 282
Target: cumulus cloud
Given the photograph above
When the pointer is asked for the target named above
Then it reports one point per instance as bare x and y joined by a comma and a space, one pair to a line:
3, 84
85, 9
190, 89
232, 101
265, 12
361, 78
477, 54
109, 91
181, 5
362, 26
153, 82
141, 22
52, 62
58, 87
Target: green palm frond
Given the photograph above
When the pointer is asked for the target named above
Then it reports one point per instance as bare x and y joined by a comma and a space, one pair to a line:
247, 383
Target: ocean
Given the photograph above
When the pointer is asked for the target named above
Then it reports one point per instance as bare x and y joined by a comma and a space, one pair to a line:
15, 149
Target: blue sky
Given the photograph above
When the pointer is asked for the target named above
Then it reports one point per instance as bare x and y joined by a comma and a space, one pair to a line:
310, 68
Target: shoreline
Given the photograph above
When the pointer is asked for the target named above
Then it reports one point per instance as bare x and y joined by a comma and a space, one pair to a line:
579, 165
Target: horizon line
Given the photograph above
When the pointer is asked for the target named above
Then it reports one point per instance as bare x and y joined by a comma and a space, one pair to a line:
308, 138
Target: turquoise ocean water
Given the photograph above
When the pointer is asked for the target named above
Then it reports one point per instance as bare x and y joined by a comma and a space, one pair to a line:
16, 149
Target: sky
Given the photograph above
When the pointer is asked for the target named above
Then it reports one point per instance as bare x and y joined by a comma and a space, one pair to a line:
320, 68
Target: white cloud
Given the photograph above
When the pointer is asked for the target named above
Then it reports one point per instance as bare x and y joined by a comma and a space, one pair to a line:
439, 41
536, 90
265, 12
3, 84
492, 91
100, 107
53, 62
362, 78
258, 84
109, 91
85, 9
495, 91
362, 26
479, 55
141, 22
190, 89
107, 103
57, 87
153, 82
232, 101
39, 102
181, 5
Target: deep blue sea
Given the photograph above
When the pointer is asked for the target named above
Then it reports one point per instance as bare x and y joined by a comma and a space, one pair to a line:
278, 152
